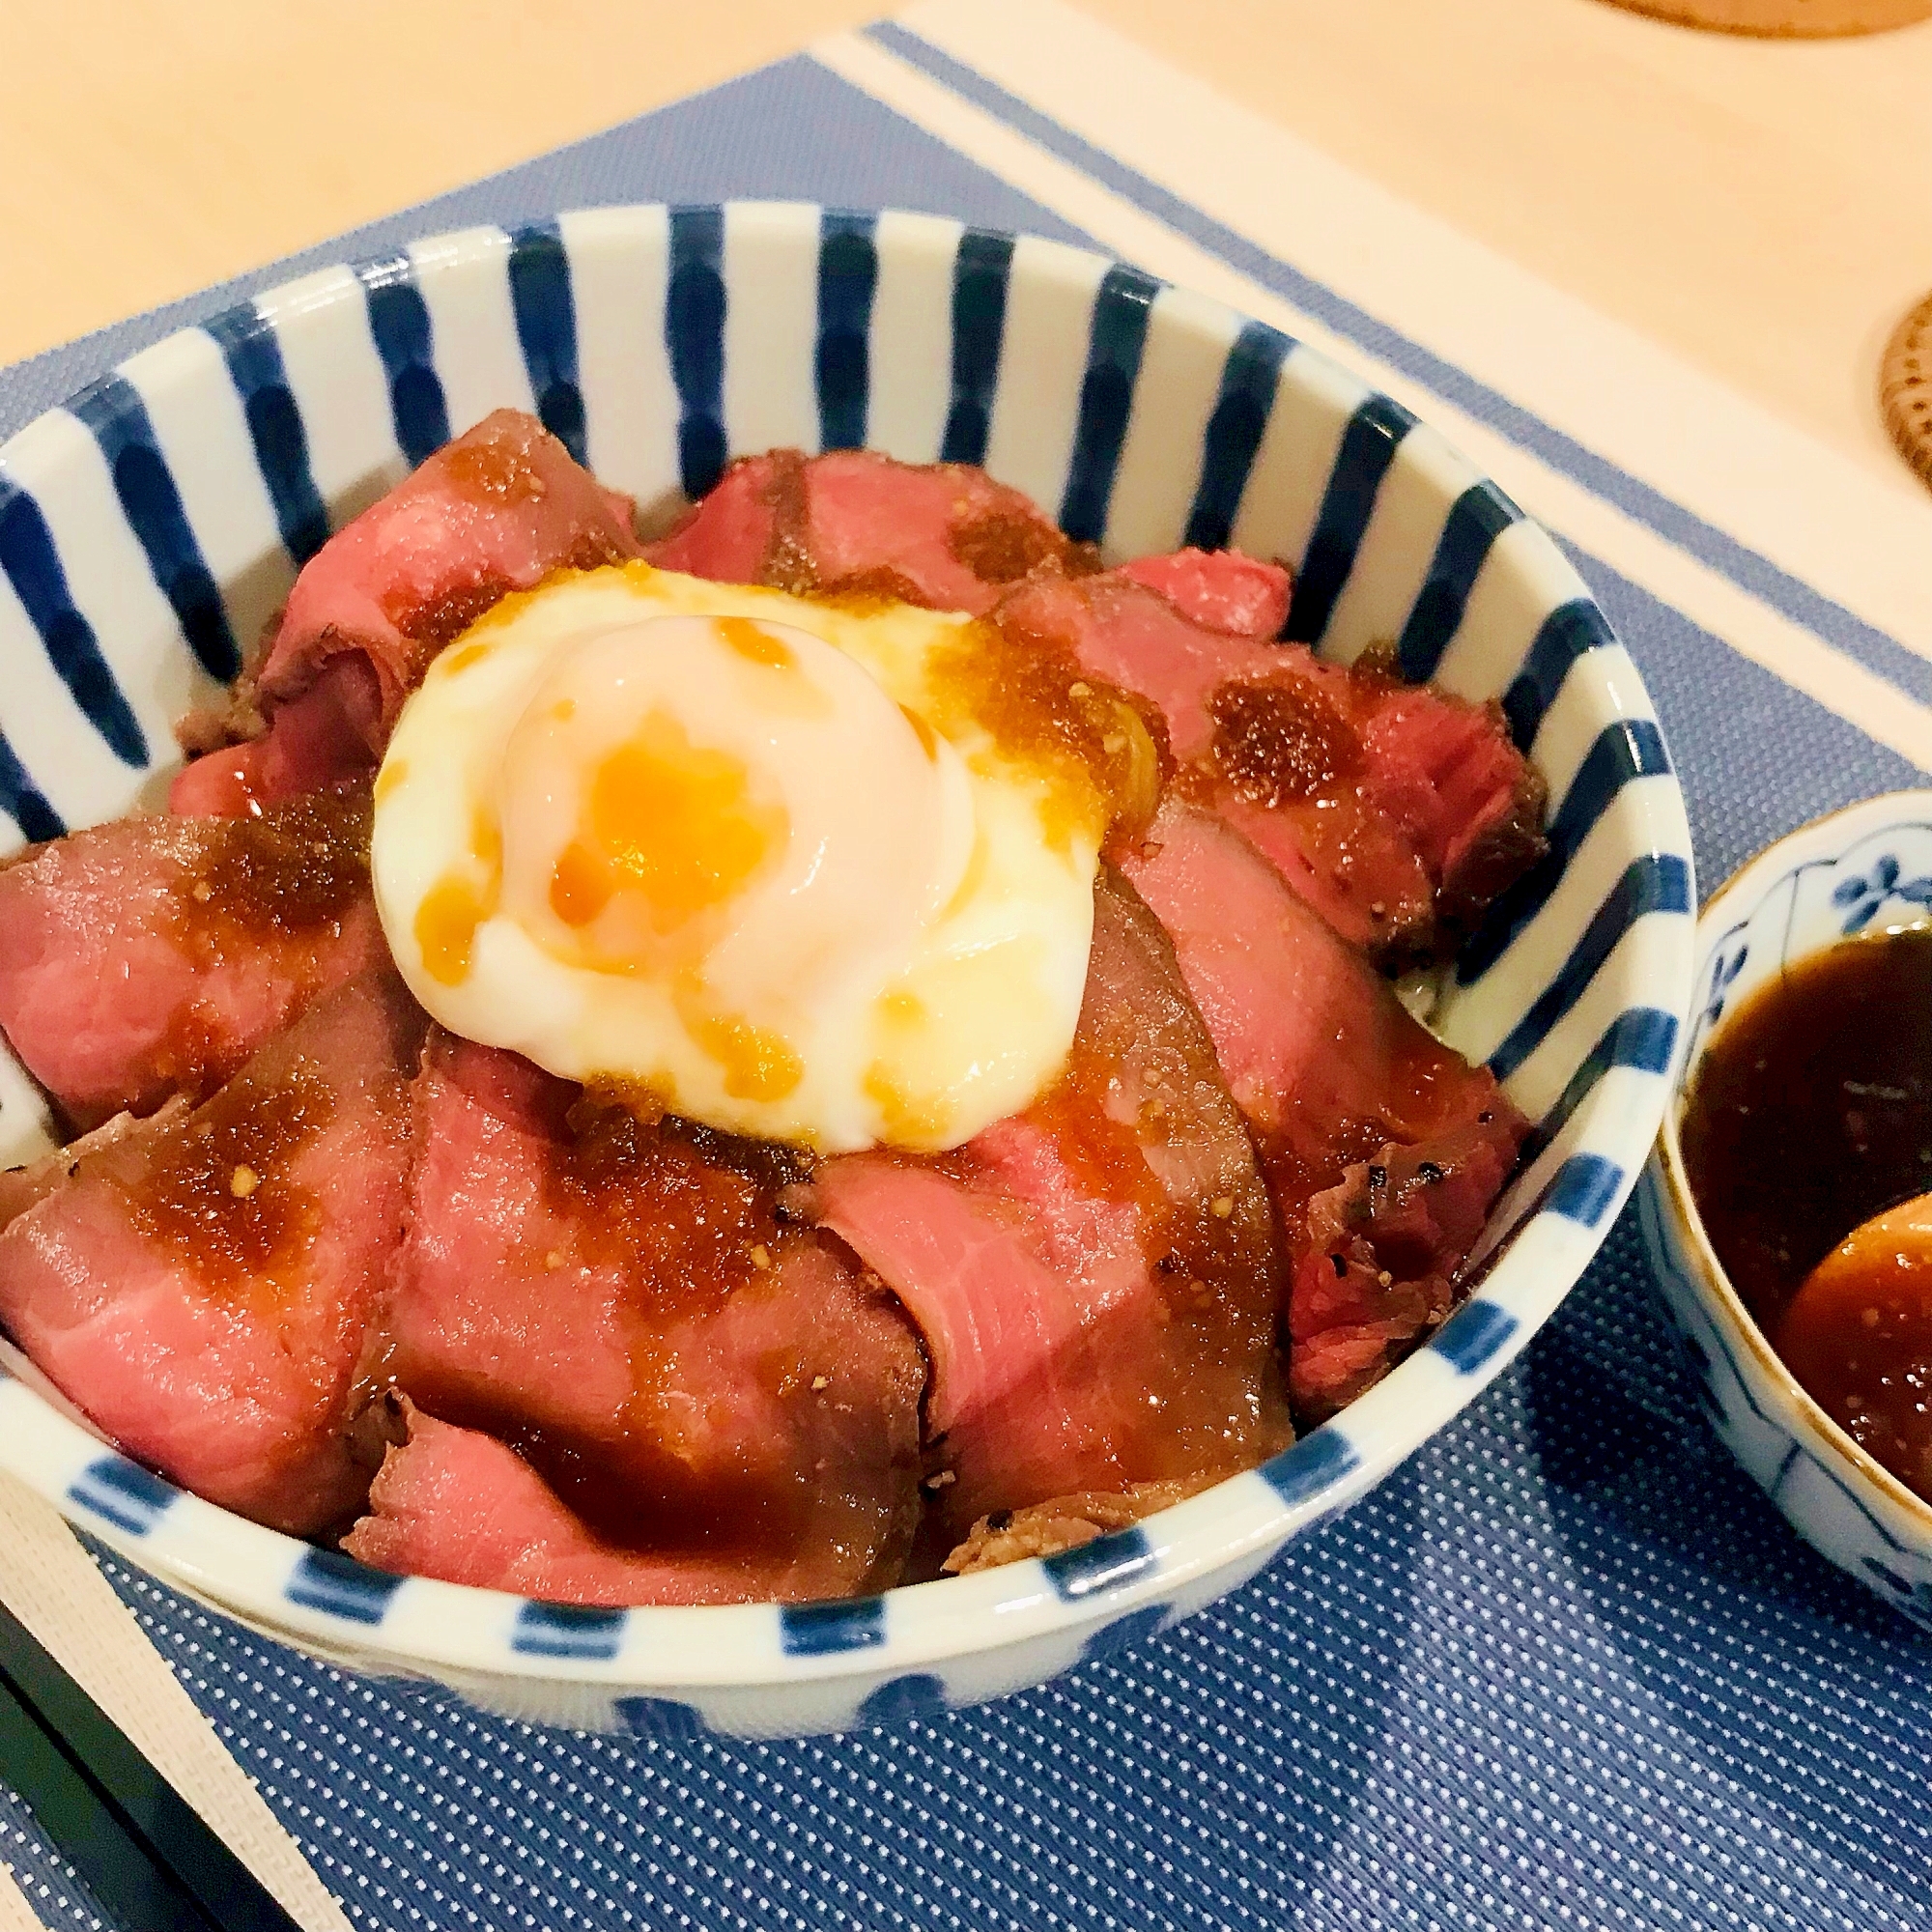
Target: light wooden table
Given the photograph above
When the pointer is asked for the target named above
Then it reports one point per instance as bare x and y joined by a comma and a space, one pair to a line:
1764, 207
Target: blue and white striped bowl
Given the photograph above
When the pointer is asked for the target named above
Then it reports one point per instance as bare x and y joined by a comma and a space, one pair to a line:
152, 524
1862, 869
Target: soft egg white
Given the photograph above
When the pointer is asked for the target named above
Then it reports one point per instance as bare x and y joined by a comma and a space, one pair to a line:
744, 851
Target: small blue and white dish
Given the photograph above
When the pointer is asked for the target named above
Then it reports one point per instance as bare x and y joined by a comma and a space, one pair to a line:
1862, 869
152, 524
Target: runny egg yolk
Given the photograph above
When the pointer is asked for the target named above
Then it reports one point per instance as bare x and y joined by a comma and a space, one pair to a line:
670, 824
734, 854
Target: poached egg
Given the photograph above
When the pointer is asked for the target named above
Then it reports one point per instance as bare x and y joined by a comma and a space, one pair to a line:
814, 872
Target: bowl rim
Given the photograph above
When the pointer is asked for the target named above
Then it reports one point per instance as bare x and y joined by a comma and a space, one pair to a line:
1765, 872
1187, 1553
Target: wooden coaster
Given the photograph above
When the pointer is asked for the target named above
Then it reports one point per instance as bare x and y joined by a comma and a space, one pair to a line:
1787, 19
1905, 388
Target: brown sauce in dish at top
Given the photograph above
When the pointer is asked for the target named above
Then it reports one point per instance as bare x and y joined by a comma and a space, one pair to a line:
1809, 1129
1812, 1112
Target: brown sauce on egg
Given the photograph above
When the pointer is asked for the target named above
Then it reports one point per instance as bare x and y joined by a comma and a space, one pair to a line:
1812, 1117
1102, 758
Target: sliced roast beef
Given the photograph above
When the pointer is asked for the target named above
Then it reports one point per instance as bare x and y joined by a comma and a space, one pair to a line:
459, 1505
618, 1302
1318, 1051
1264, 734
1339, 1086
1453, 775
495, 510
318, 740
1378, 1270
1096, 1278
1220, 589
203, 1289
1396, 810
944, 535
1119, 630
20, 1187
152, 955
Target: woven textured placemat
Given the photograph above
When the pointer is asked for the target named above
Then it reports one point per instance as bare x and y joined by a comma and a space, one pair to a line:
1568, 1668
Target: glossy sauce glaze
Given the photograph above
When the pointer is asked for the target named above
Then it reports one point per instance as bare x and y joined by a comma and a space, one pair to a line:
1811, 1119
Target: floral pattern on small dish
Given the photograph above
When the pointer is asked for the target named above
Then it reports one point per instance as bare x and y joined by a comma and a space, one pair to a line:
1726, 966
1863, 895
1803, 899
1825, 882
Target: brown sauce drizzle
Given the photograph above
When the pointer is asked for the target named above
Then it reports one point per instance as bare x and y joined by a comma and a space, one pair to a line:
222, 1196
870, 590
1282, 744
1001, 546
1106, 1154
1093, 742
684, 1213
631, 1495
790, 564
440, 621
494, 471
689, 1218
997, 544
296, 872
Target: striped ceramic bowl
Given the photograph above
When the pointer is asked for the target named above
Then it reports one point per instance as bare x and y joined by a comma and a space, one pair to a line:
149, 527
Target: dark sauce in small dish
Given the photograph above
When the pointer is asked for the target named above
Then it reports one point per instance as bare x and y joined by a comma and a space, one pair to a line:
1812, 1117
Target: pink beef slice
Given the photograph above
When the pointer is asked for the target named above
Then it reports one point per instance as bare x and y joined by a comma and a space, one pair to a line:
1397, 811
1095, 1279
943, 535
1473, 803
21, 1187
1378, 1268
459, 1505
1335, 1078
619, 1302
318, 740
204, 1290
1119, 630
497, 510
1218, 590
152, 956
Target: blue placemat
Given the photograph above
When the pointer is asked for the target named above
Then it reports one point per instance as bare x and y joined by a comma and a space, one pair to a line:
1567, 1668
